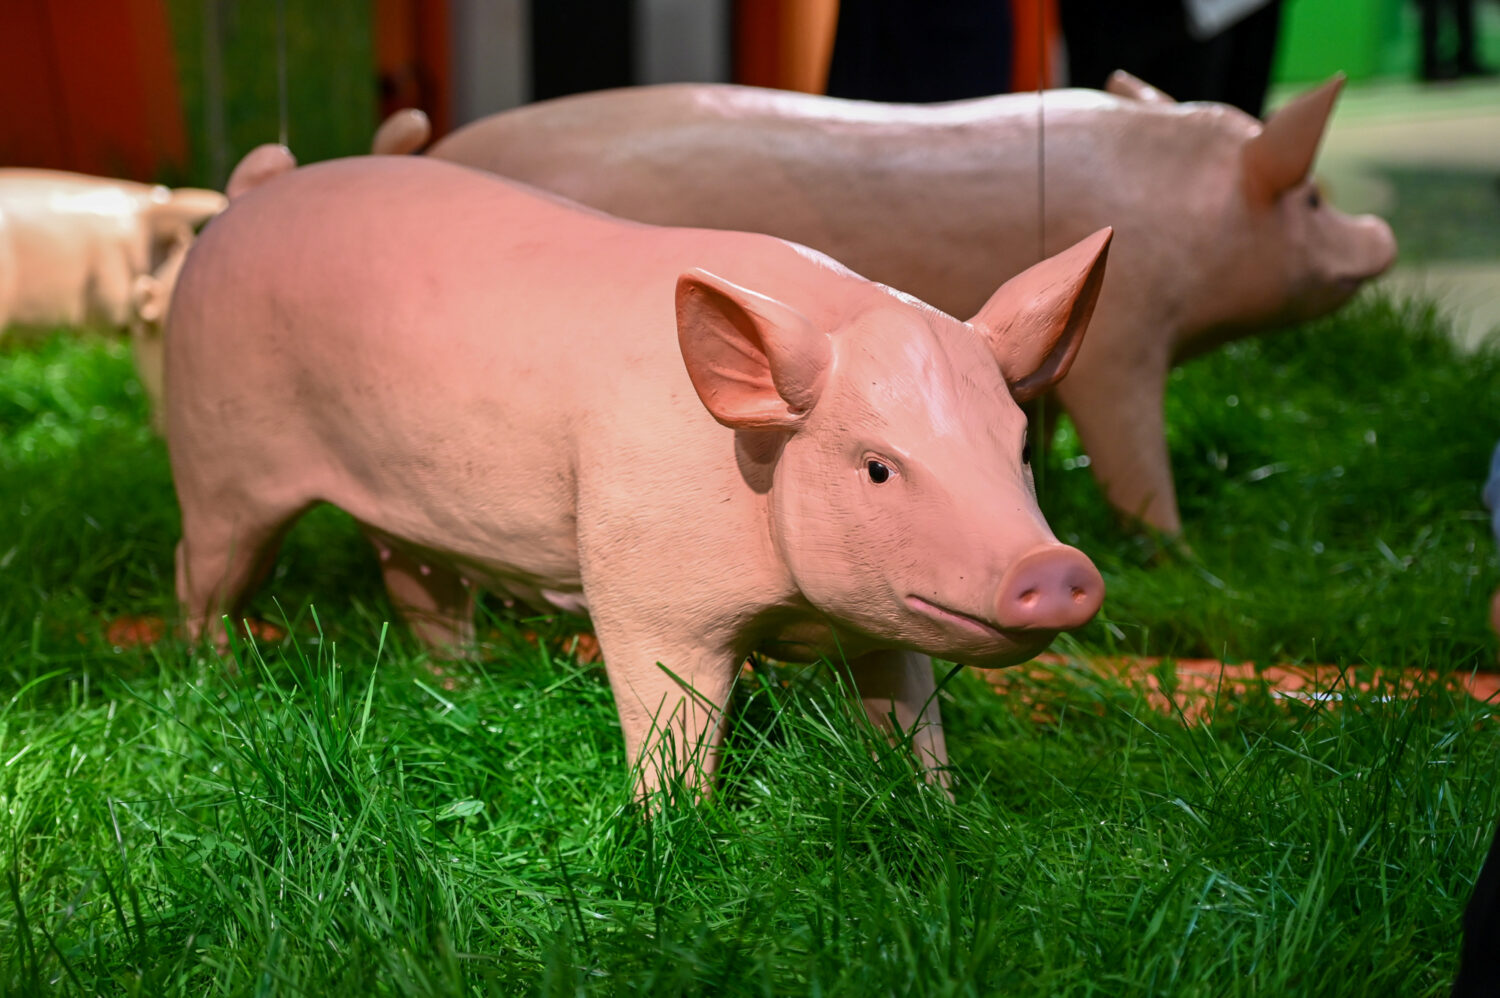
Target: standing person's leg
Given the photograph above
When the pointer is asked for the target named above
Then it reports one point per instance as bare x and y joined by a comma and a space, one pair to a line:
1089, 58
1253, 53
918, 51
1434, 66
1147, 38
1466, 58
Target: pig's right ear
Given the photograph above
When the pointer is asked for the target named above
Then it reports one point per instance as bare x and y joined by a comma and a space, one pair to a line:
1123, 84
1281, 156
1035, 322
755, 362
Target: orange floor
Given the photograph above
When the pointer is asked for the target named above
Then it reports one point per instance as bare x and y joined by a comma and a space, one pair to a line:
1204, 685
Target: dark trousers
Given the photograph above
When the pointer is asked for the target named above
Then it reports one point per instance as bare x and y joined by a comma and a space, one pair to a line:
1479, 960
1461, 13
1150, 39
921, 50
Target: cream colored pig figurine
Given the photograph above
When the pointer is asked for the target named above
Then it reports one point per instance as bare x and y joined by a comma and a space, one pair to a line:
76, 249
1220, 229
710, 442
75, 244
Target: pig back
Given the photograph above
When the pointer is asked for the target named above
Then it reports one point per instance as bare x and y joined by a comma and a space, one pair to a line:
937, 200
420, 342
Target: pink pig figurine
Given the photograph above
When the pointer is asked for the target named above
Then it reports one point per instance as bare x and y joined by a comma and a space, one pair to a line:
711, 442
1221, 230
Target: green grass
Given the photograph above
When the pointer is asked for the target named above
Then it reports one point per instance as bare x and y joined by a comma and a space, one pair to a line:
324, 817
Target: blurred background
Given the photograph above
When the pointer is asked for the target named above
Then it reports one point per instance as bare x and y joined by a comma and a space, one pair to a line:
178, 90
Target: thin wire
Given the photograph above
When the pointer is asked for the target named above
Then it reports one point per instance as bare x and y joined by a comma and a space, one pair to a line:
1041, 132
281, 69
1039, 466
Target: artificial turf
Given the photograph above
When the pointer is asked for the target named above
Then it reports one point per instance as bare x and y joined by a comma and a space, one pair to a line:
324, 816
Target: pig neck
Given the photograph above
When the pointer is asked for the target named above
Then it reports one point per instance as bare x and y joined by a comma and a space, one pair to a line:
1227, 299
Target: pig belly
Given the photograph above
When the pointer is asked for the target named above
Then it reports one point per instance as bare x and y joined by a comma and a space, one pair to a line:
498, 512
272, 421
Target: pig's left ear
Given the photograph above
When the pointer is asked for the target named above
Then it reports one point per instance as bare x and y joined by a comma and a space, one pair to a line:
1123, 84
1282, 155
1035, 322
755, 362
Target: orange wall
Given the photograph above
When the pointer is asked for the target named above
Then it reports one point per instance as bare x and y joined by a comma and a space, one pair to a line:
90, 86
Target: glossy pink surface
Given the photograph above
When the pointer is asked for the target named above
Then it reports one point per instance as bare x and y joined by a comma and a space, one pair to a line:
711, 442
1220, 231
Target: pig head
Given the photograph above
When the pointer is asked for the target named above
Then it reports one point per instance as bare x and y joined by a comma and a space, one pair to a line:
710, 442
77, 242
77, 249
1220, 230
1244, 241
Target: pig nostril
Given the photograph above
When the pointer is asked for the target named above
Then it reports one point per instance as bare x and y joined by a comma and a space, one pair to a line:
1053, 588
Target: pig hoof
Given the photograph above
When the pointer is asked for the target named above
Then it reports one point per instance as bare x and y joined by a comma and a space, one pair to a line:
135, 632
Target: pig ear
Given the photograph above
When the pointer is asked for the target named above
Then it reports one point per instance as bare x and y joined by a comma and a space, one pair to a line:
403, 133
1035, 322
1123, 84
182, 210
146, 295
259, 165
1282, 155
755, 362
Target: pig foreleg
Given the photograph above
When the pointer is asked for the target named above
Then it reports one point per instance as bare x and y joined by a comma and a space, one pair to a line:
1117, 411
899, 694
671, 702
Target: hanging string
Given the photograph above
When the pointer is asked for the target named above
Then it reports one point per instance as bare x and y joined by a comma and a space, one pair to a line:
1041, 131
213, 96
1040, 442
281, 107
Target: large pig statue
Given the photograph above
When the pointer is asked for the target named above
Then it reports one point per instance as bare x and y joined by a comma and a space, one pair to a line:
710, 442
1221, 230
75, 249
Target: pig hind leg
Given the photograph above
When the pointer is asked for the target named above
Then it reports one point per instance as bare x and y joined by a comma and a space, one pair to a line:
223, 555
435, 601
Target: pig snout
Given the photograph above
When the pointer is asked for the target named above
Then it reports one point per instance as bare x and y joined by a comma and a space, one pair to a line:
1380, 245
1054, 588
1369, 249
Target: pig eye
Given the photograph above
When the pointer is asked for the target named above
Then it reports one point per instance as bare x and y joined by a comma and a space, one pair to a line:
1026, 450
1315, 199
878, 472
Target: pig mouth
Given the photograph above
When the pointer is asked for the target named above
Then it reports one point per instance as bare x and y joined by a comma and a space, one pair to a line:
948, 616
